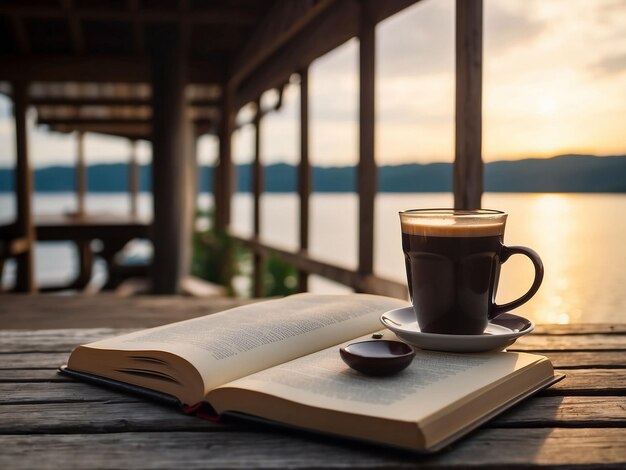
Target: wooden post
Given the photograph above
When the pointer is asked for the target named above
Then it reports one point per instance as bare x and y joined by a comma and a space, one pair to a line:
304, 174
25, 276
81, 173
170, 156
83, 247
257, 188
133, 178
367, 178
468, 164
224, 182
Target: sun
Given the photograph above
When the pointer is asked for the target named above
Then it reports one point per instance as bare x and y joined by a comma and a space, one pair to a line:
546, 106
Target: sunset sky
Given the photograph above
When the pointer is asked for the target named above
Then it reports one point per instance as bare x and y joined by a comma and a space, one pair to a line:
554, 82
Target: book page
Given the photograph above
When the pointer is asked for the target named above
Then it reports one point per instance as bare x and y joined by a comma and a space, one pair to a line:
232, 344
433, 381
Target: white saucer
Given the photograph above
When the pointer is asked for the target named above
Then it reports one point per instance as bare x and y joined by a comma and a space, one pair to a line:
501, 332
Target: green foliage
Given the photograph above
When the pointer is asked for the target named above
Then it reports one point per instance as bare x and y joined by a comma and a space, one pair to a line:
279, 277
215, 256
219, 258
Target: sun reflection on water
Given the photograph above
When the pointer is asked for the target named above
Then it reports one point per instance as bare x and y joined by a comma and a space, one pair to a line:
552, 228
546, 223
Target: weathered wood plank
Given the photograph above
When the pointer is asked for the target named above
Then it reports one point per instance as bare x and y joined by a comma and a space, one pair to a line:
584, 360
590, 381
580, 329
68, 339
96, 417
581, 412
560, 360
16, 393
190, 450
104, 310
53, 340
594, 342
32, 375
576, 382
43, 386
33, 361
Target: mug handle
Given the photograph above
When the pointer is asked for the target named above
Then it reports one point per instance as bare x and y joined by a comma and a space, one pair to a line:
505, 254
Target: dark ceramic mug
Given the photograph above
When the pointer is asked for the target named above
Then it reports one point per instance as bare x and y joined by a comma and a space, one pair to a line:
453, 260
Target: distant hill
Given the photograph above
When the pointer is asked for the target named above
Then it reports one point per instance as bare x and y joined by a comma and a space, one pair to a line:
564, 173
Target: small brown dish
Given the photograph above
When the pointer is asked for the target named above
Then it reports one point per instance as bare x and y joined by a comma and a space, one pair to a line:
377, 357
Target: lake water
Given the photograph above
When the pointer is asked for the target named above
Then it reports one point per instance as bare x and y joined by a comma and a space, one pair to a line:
580, 237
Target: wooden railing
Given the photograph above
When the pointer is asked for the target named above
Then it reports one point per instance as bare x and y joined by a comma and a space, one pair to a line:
306, 265
467, 164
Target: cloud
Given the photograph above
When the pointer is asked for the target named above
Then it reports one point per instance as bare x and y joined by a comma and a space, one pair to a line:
417, 41
512, 25
613, 64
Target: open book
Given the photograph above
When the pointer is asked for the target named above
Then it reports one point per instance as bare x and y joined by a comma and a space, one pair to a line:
279, 361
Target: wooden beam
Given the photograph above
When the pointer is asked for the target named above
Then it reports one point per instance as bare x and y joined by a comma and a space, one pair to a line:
281, 23
133, 178
133, 132
137, 132
138, 28
468, 164
304, 174
75, 28
101, 69
93, 121
383, 10
112, 102
19, 32
360, 283
25, 276
224, 174
81, 173
257, 190
328, 29
170, 144
366, 178
213, 15
331, 28
111, 121
60, 101
262, 113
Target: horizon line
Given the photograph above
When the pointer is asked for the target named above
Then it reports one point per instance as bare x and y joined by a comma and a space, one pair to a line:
282, 162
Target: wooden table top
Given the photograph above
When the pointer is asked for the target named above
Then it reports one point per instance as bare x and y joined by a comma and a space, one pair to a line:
50, 421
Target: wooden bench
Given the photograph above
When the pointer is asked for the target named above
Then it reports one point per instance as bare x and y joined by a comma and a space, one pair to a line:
113, 231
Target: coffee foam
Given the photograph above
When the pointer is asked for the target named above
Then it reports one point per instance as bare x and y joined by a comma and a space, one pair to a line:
432, 227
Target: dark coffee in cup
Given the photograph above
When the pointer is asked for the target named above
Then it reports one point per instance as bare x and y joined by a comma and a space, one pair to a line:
453, 263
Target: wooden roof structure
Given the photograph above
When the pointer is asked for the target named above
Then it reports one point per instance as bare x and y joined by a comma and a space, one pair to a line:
88, 61
121, 109
85, 56
169, 70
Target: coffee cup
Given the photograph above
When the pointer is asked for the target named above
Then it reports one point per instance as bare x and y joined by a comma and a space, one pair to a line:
453, 260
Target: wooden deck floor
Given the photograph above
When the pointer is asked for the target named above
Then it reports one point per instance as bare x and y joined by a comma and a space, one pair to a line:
104, 310
50, 421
